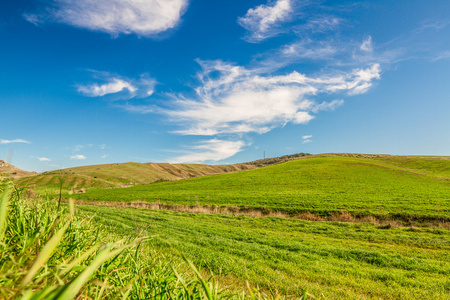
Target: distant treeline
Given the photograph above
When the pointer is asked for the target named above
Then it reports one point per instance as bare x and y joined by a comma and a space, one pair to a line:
277, 160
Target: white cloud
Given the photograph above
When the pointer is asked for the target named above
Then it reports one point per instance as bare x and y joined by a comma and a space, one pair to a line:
142, 17
327, 105
304, 18
309, 49
78, 156
122, 86
367, 45
336, 52
43, 159
14, 141
241, 101
210, 150
114, 86
262, 21
233, 99
358, 82
306, 139
104, 156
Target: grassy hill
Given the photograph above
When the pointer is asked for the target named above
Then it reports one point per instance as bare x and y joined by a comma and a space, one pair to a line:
121, 174
12, 171
380, 185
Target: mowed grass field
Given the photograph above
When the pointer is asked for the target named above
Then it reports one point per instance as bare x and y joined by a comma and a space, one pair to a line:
330, 260
392, 186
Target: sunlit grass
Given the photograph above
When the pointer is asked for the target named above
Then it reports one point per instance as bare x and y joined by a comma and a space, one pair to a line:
48, 253
321, 185
330, 260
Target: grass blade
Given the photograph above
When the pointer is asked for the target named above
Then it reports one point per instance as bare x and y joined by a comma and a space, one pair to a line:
45, 255
77, 261
3, 210
104, 255
205, 286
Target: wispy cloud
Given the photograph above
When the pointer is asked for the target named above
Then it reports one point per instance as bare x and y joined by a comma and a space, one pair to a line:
334, 50
144, 18
327, 106
78, 157
442, 55
306, 139
43, 159
432, 25
210, 150
303, 18
317, 24
367, 45
14, 141
232, 100
358, 82
242, 100
114, 86
263, 21
310, 49
78, 148
121, 86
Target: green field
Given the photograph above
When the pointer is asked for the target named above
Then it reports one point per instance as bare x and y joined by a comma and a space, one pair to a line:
52, 252
331, 260
388, 186
397, 248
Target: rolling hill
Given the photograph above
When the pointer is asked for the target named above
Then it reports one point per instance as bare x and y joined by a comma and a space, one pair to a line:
121, 175
376, 185
131, 173
12, 171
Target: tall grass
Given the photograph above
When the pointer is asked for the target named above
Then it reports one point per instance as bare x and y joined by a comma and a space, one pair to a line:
51, 253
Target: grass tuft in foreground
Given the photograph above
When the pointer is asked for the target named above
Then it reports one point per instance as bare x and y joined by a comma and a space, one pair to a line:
46, 253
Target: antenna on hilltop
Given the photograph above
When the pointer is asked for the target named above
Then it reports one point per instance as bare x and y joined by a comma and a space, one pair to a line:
264, 154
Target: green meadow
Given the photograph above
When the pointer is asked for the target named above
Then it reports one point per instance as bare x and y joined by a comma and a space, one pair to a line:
395, 245
329, 260
395, 187
50, 251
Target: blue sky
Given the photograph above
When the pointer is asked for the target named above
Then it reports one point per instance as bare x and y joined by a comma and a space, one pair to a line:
90, 82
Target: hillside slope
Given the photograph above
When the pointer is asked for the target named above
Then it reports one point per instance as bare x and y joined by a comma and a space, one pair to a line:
122, 174
370, 185
10, 170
